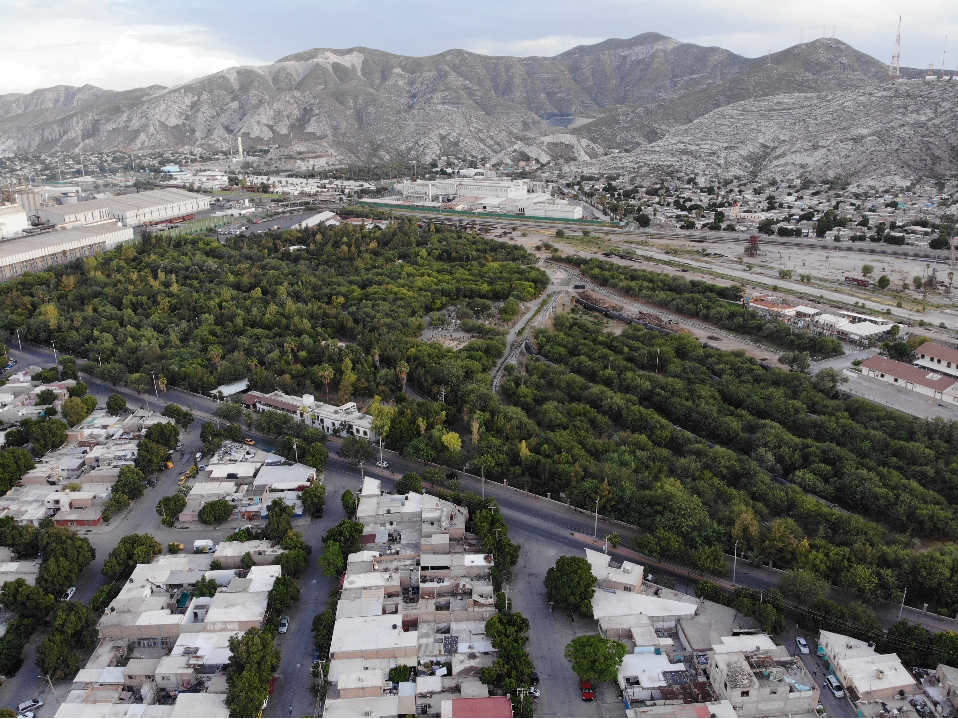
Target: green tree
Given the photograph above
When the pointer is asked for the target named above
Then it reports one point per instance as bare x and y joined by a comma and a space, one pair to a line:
76, 623
357, 449
452, 441
570, 586
796, 361
46, 396
129, 483
80, 389
56, 658
253, 660
164, 433
883, 282
27, 601
410, 482
230, 411
216, 512
346, 533
332, 559
133, 549
150, 456
350, 503
74, 411
116, 404
827, 381
285, 591
170, 507
205, 587
316, 456
867, 270
184, 418
803, 587
594, 657
313, 498
279, 520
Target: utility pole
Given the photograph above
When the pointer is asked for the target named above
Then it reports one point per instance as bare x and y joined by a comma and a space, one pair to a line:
155, 388
595, 527
54, 345
902, 603
20, 344
735, 561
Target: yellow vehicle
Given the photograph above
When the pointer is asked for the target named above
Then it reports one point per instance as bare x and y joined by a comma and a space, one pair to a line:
169, 465
183, 480
250, 442
179, 544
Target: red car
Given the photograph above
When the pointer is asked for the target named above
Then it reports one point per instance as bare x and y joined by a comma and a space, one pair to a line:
588, 691
272, 684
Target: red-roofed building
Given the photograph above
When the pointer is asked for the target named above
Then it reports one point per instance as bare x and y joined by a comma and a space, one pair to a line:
917, 379
939, 358
477, 708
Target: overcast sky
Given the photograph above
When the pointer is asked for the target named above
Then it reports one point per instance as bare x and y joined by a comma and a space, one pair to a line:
120, 44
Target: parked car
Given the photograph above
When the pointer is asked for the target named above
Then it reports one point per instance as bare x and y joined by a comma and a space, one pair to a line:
534, 691
250, 442
535, 678
68, 594
169, 465
588, 691
837, 689
382, 463
29, 706
802, 645
284, 625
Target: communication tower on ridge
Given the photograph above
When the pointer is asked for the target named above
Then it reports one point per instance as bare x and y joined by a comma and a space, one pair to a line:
894, 70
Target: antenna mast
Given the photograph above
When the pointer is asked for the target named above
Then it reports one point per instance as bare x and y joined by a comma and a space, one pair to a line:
944, 54
894, 70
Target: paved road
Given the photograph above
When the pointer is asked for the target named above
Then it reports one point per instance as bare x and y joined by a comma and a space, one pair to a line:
883, 393
543, 525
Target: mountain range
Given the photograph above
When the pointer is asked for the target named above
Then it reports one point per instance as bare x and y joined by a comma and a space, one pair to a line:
646, 101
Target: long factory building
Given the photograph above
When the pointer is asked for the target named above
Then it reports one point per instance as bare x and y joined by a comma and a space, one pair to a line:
142, 208
38, 252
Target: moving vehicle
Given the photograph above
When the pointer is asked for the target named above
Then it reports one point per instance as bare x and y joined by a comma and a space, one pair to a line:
203, 546
68, 594
802, 645
250, 442
169, 465
284, 625
382, 463
29, 706
534, 691
832, 681
588, 691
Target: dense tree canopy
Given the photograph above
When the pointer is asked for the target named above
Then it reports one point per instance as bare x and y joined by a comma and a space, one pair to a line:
570, 586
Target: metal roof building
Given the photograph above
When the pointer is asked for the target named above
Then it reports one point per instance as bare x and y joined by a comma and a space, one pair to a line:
36, 253
129, 210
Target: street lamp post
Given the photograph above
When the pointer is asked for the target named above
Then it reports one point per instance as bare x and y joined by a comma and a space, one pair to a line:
52, 690
54, 345
595, 527
19, 343
155, 388
734, 561
900, 611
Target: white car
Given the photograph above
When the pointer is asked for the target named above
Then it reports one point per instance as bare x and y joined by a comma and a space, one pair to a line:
802, 645
832, 681
284, 625
68, 594
382, 463
29, 706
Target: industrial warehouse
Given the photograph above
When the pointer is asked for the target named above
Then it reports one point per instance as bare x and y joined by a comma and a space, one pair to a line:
38, 252
511, 197
143, 208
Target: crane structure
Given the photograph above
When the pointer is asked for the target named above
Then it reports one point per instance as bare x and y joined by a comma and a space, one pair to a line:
894, 70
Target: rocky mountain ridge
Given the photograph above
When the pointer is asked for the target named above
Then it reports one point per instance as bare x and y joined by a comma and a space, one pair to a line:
365, 105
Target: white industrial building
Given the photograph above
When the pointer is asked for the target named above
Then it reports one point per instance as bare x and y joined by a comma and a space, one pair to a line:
13, 221
36, 253
512, 197
141, 208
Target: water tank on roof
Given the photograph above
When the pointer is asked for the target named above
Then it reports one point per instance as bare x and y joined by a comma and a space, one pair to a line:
308, 399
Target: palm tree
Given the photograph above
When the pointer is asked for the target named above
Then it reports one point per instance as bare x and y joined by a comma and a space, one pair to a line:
402, 369
326, 373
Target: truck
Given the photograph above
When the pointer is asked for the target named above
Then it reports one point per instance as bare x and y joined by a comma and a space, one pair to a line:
203, 546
